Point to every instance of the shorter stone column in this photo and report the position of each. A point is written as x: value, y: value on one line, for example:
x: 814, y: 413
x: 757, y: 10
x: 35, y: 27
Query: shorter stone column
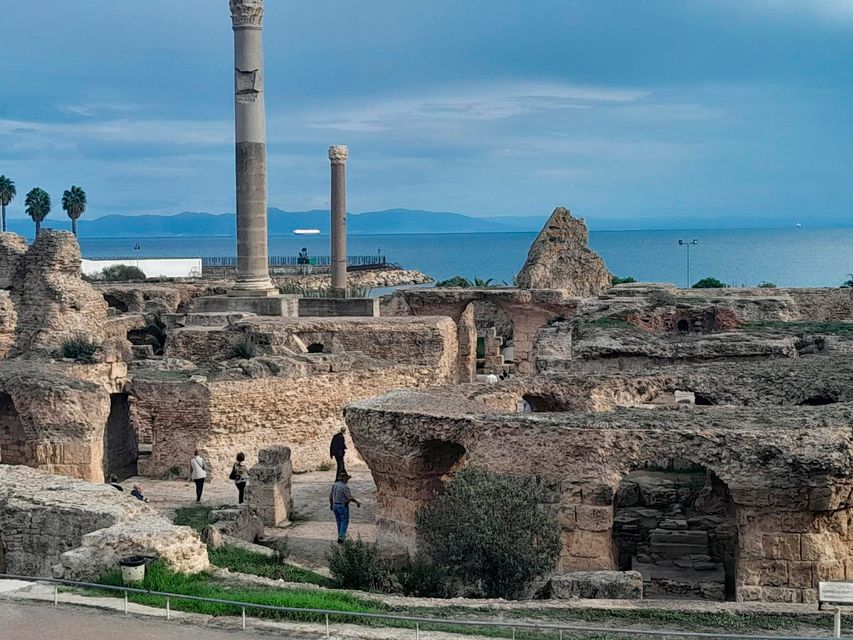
x: 338, y: 154
x: 268, y: 491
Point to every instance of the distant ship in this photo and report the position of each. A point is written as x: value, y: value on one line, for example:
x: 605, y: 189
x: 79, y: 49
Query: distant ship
x: 306, y: 232
x: 798, y: 225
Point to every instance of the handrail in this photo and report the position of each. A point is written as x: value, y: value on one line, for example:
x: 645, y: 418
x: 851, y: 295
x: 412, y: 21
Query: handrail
x: 417, y: 620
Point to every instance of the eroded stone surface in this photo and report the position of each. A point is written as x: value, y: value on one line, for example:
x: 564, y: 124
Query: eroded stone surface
x: 560, y: 258
x: 74, y: 529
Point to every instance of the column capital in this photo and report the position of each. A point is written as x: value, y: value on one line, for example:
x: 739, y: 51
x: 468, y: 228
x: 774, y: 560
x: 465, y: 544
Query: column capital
x: 247, y: 14
x: 338, y: 153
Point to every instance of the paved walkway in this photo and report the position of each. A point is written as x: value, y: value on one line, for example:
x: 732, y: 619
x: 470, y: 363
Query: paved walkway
x: 312, y: 532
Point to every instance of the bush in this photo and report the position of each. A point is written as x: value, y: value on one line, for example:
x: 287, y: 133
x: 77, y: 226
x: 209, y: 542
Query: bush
x: 80, y: 349
x: 614, y: 280
x: 122, y: 273
x: 848, y: 284
x: 356, y: 565
x: 455, y: 281
x: 766, y: 285
x: 422, y: 579
x: 244, y: 347
x: 710, y: 283
x: 489, y: 529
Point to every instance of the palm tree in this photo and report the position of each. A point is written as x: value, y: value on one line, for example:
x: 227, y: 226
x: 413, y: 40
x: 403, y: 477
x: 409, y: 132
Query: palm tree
x: 74, y: 203
x: 37, y: 206
x: 7, y: 194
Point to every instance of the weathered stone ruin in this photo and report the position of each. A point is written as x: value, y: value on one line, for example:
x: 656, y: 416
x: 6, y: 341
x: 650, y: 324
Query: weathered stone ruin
x: 560, y: 258
x: 54, y: 525
x: 268, y: 491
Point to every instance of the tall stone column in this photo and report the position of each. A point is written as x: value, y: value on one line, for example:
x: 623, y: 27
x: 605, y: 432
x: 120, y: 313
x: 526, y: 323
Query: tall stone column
x: 250, y: 136
x: 338, y: 156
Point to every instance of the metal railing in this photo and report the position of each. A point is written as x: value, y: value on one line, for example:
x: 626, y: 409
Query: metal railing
x: 414, y: 623
x: 295, y: 261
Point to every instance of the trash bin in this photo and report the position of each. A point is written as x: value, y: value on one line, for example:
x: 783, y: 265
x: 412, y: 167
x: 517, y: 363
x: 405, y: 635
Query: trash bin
x: 132, y: 569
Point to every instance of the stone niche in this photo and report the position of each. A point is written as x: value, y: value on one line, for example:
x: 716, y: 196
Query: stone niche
x: 755, y: 506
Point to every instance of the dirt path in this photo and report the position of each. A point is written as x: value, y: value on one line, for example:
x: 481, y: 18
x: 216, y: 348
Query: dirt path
x: 312, y: 531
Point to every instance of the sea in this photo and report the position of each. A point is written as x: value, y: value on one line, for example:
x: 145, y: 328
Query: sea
x: 795, y: 257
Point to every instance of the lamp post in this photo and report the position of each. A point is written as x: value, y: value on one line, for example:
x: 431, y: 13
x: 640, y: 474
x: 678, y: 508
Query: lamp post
x: 136, y: 249
x: 688, y: 244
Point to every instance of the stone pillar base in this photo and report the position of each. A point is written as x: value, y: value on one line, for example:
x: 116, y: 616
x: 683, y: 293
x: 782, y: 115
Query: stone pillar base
x: 274, y: 305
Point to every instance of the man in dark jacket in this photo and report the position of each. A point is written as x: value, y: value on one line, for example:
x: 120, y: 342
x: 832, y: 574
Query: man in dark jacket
x: 337, y: 450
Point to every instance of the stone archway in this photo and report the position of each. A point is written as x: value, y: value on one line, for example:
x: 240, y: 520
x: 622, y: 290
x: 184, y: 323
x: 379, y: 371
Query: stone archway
x: 675, y: 522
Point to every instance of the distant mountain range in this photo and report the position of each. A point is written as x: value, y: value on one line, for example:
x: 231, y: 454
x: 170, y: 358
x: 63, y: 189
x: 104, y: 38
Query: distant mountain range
x: 188, y: 223
x: 390, y: 221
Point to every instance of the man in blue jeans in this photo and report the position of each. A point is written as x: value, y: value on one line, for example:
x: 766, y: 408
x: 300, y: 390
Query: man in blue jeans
x: 339, y: 498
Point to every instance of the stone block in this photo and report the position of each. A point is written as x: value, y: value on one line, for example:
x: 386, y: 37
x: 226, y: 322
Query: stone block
x: 590, y: 518
x: 610, y: 585
x: 801, y: 575
x: 779, y: 594
x: 763, y: 572
x: 591, y: 544
x: 781, y: 546
x: 832, y: 571
x: 338, y: 307
x: 819, y: 547
x: 279, y: 305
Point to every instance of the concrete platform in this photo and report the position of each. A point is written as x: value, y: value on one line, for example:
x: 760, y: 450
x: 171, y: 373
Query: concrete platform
x: 280, y: 305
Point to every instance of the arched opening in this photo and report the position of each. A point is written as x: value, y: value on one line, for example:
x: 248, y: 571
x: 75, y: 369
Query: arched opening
x: 683, y: 325
x: 702, y: 399
x: 114, y: 303
x: 675, y: 523
x: 818, y: 401
x: 13, y: 439
x: 316, y: 347
x: 542, y: 403
x: 494, y: 338
x: 438, y: 459
x: 120, y: 447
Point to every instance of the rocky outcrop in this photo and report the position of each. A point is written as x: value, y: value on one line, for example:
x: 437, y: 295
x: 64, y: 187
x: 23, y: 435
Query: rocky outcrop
x: 73, y: 529
x: 12, y: 250
x: 560, y: 258
x: 607, y: 585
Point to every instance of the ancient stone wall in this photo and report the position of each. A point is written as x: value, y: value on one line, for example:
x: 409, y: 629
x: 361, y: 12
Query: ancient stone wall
x: 823, y: 304
x: 52, y: 421
x: 53, y: 525
x: 786, y: 469
x: 223, y: 418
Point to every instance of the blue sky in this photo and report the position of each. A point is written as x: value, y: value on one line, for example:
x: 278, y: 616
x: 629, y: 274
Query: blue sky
x: 625, y: 110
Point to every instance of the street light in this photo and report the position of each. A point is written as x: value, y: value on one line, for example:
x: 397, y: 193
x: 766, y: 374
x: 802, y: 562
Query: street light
x: 688, y: 243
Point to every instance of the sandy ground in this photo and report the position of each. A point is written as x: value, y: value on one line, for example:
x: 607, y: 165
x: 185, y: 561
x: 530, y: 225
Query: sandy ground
x: 312, y: 531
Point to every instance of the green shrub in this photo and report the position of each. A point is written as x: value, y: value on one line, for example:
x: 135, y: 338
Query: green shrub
x: 766, y: 285
x: 356, y: 564
x: 423, y: 579
x: 491, y: 531
x: 122, y: 273
x: 455, y: 281
x: 614, y: 280
x: 80, y: 348
x: 244, y: 347
x: 710, y: 283
x: 848, y: 284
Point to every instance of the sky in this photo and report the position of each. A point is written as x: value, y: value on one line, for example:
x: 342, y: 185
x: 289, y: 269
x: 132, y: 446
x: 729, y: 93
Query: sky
x: 617, y: 109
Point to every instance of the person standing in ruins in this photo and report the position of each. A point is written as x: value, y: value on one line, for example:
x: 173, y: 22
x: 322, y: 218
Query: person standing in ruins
x: 198, y: 474
x: 240, y: 475
x: 339, y: 500
x: 337, y: 449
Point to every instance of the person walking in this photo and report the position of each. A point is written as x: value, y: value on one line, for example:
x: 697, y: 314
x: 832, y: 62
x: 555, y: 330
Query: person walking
x: 198, y: 474
x: 337, y: 449
x: 240, y: 475
x: 339, y: 500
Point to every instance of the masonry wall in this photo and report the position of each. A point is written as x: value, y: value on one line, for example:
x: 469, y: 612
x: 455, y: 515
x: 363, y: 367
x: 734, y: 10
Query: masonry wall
x: 224, y: 418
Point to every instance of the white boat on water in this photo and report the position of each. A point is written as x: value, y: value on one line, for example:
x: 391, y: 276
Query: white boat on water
x: 306, y: 232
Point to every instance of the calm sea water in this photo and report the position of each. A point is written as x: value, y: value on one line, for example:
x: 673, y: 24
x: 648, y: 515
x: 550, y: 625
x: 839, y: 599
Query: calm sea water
x: 787, y: 257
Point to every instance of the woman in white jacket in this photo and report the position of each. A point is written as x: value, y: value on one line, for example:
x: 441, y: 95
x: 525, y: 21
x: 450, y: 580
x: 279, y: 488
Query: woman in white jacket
x: 198, y: 473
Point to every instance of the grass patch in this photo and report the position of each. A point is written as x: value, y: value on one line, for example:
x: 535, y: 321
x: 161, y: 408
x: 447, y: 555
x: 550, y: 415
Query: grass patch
x: 838, y: 328
x: 194, y: 516
x: 243, y: 561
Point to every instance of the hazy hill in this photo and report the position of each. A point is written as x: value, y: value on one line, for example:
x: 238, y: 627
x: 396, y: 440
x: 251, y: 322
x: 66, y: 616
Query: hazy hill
x: 190, y: 223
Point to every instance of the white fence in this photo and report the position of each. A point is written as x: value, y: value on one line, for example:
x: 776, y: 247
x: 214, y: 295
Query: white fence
x: 151, y: 267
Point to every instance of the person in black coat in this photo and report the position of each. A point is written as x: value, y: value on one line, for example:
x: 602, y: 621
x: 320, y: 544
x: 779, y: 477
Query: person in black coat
x: 337, y: 450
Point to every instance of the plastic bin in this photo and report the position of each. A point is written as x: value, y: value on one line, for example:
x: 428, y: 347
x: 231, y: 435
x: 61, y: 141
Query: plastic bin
x: 132, y: 569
